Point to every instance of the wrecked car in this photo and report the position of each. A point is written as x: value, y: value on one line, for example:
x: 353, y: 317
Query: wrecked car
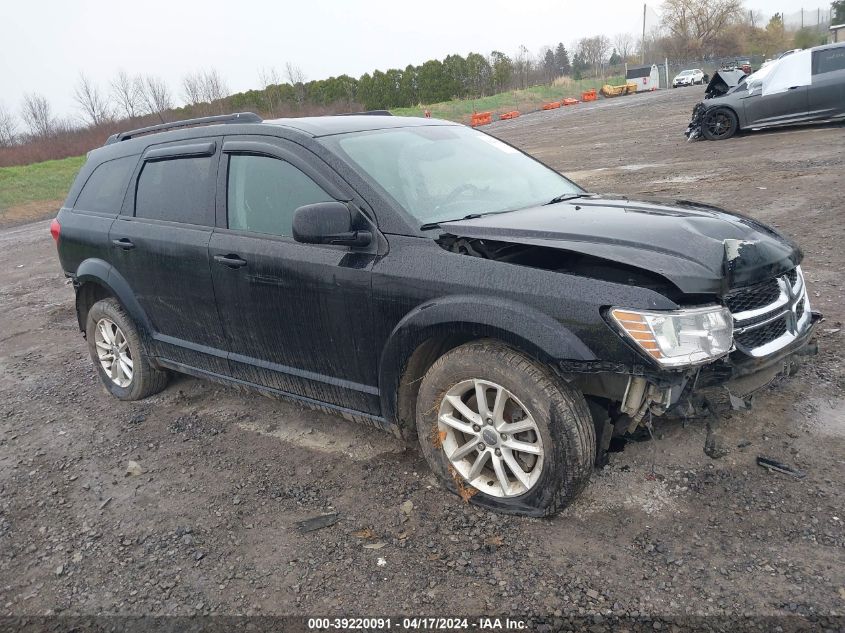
x: 427, y: 279
x: 799, y: 87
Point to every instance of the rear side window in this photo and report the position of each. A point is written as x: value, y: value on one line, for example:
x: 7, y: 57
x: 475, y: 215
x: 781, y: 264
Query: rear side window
x: 104, y: 190
x: 829, y: 60
x: 177, y: 190
x: 264, y: 192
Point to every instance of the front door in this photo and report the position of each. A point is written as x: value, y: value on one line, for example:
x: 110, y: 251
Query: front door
x: 159, y: 245
x: 774, y: 109
x: 296, y: 316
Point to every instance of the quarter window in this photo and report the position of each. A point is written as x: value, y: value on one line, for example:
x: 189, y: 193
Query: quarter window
x: 264, y: 192
x: 104, y: 190
x: 178, y: 190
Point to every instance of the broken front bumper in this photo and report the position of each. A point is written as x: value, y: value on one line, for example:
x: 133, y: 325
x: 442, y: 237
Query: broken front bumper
x: 741, y: 375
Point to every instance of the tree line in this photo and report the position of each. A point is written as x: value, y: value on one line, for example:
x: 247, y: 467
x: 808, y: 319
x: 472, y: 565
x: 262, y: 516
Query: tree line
x: 688, y: 30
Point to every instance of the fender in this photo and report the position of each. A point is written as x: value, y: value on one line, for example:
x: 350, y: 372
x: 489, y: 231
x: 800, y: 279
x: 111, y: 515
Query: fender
x: 522, y: 326
x: 101, y: 272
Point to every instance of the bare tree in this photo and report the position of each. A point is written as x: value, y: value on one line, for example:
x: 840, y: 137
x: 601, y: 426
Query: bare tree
x: 38, y: 115
x: 624, y: 44
x: 8, y: 127
x: 269, y: 78
x: 214, y: 89
x: 156, y: 96
x: 94, y: 105
x: 297, y: 79
x: 127, y: 93
x: 694, y: 25
x: 206, y: 89
x: 192, y: 91
x: 594, y: 51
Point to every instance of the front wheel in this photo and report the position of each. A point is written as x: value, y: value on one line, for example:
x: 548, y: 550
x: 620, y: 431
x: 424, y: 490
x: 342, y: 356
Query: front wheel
x: 115, y: 348
x: 503, y: 431
x: 719, y: 124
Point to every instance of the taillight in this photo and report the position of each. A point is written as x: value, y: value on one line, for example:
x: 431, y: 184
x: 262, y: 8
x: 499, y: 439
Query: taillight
x: 55, y: 230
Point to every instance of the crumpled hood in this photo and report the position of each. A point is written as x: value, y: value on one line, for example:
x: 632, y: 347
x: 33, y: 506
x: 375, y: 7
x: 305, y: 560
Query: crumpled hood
x: 699, y: 248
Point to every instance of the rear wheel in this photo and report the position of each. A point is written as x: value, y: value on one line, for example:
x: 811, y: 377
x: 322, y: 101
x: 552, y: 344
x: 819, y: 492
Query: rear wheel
x: 504, y: 432
x: 115, y: 348
x: 719, y: 124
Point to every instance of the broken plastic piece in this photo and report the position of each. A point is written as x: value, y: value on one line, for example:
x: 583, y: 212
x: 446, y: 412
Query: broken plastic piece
x: 774, y: 465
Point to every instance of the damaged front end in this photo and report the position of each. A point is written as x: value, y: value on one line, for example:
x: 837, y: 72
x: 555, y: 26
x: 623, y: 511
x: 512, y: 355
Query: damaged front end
x: 738, y: 312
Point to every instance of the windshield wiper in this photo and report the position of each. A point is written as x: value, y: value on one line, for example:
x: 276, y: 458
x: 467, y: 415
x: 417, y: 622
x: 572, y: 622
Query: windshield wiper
x: 436, y: 225
x: 568, y: 196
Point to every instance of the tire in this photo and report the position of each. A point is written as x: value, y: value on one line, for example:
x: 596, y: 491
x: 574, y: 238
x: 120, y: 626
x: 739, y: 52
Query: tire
x: 562, y: 428
x: 719, y: 124
x: 108, y: 318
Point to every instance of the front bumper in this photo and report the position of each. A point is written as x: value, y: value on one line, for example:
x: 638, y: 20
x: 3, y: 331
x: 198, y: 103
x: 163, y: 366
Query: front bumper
x: 741, y: 375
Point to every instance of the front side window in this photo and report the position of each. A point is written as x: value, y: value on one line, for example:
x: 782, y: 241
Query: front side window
x: 104, y: 190
x: 177, y: 190
x: 264, y: 192
x: 438, y: 173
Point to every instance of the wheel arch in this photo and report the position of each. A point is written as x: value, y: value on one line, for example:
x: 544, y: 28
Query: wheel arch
x: 96, y: 279
x: 434, y: 328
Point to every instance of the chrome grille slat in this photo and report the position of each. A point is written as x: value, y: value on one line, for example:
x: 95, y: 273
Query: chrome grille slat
x: 763, y: 328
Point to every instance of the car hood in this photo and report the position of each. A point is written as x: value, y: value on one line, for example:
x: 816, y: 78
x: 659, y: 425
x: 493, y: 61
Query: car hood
x: 699, y: 248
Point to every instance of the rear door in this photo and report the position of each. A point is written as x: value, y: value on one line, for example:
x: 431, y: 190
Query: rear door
x: 160, y: 247
x: 827, y: 93
x: 297, y: 316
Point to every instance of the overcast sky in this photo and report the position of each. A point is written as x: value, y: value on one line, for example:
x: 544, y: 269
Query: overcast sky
x: 46, y: 43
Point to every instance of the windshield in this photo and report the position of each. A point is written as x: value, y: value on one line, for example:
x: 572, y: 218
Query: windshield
x: 686, y: 72
x: 439, y: 173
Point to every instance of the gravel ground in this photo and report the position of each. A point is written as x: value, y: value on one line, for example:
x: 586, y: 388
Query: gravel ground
x: 205, y: 519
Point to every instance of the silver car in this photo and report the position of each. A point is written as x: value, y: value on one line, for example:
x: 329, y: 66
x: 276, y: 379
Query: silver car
x: 794, y: 89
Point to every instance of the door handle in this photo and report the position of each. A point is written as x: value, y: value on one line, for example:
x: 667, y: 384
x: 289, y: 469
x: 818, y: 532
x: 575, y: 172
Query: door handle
x: 124, y: 242
x: 232, y: 261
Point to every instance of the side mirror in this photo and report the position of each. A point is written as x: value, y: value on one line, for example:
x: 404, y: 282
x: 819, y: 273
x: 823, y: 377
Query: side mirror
x: 327, y: 223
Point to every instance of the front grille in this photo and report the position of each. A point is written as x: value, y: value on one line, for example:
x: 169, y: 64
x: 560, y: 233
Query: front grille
x: 762, y: 335
x: 753, y: 297
x: 779, y: 317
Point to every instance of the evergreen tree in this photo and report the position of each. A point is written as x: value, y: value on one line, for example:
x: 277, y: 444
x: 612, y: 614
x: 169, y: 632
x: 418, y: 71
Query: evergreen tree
x: 562, y: 65
x: 615, y: 58
x: 549, y: 66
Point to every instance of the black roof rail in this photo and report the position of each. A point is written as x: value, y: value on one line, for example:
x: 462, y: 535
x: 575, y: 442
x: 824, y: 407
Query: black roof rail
x: 237, y: 117
x: 368, y: 113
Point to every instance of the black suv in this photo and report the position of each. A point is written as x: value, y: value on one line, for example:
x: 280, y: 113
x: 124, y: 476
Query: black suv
x: 427, y: 279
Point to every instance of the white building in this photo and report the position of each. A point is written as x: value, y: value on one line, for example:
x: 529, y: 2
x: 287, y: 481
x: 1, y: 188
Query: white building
x: 646, y: 77
x: 837, y: 33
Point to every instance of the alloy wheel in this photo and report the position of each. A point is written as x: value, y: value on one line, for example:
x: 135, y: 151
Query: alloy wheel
x: 490, y: 438
x: 113, y: 352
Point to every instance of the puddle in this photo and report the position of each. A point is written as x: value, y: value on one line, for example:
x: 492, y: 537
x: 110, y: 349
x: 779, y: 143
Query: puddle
x: 678, y: 180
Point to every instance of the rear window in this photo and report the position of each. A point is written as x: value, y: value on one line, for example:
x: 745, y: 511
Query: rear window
x: 828, y: 61
x: 177, y: 190
x: 104, y: 190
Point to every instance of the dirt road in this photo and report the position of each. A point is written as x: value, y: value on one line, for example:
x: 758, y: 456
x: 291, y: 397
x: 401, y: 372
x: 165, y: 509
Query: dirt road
x: 209, y: 526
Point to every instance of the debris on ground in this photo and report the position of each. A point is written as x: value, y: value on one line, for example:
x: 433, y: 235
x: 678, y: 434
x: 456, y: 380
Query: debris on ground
x: 133, y: 469
x: 317, y: 523
x: 773, y: 465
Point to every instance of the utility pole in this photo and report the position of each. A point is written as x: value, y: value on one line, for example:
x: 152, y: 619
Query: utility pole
x: 642, y: 46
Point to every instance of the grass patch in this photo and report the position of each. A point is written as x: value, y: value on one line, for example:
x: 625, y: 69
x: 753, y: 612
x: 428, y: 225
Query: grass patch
x: 525, y: 101
x: 25, y: 186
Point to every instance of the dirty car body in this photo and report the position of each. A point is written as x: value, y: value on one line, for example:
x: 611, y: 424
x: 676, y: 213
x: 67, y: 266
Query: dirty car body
x: 816, y: 93
x: 411, y: 239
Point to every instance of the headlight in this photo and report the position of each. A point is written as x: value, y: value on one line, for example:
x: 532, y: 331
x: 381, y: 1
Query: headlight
x: 679, y: 338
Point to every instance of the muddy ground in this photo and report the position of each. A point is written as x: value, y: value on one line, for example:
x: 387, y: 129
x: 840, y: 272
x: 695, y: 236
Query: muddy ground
x: 209, y: 526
